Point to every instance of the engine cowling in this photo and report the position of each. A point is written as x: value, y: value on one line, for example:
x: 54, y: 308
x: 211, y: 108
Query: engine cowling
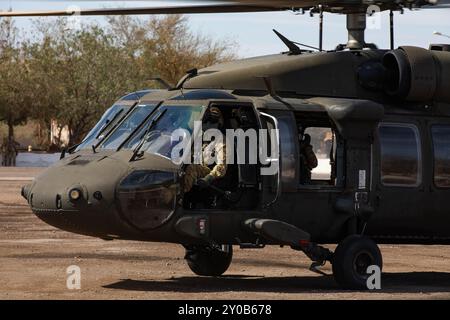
x: 417, y: 74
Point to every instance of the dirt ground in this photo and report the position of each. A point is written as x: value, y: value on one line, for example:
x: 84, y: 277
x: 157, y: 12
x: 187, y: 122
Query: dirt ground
x: 34, y: 258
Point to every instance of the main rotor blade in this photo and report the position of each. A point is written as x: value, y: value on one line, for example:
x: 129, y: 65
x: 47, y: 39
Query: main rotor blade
x: 261, y: 3
x: 440, y: 4
x: 233, y: 6
x: 343, y: 3
x: 223, y: 8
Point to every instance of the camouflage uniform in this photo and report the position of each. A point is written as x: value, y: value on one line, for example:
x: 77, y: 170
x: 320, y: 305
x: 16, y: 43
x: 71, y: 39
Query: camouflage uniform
x: 214, y: 171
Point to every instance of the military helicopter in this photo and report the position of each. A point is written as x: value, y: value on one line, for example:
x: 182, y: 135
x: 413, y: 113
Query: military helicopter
x: 380, y: 118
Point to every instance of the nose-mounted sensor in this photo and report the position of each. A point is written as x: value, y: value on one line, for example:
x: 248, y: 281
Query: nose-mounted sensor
x: 74, y: 194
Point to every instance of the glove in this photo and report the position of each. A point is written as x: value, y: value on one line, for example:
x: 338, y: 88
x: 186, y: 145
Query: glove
x: 205, y: 182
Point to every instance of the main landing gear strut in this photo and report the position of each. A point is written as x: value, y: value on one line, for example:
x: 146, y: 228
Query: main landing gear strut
x: 350, y: 261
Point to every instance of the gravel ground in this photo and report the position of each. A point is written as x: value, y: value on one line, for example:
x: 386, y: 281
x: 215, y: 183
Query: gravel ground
x: 34, y: 258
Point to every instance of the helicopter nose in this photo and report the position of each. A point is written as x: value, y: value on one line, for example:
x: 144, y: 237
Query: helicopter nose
x: 71, y: 210
x: 25, y: 191
x: 78, y: 199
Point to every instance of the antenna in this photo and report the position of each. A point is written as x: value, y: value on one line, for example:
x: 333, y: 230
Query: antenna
x: 292, y: 45
x: 293, y: 48
x: 189, y: 74
x: 320, y: 28
x: 391, y: 22
x: 437, y: 33
x: 161, y: 81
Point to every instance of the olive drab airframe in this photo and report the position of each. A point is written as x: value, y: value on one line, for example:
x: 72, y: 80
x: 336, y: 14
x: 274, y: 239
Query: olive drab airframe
x: 378, y: 121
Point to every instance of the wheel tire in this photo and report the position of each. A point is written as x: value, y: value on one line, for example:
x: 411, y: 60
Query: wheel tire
x: 209, y: 261
x: 352, y: 258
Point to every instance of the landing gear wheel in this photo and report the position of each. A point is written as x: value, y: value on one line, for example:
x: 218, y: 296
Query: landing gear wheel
x: 352, y: 258
x: 209, y: 261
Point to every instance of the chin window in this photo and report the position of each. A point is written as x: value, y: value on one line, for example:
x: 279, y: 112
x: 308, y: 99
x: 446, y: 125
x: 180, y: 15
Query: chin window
x: 148, y: 198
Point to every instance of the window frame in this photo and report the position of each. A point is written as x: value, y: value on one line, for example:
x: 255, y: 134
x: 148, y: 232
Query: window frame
x: 415, y: 128
x: 433, y: 153
x: 125, y: 118
x: 288, y: 184
x: 323, y: 120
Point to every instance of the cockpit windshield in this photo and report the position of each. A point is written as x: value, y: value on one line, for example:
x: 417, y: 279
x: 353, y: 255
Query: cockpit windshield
x: 157, y: 132
x: 112, y: 116
x: 128, y: 126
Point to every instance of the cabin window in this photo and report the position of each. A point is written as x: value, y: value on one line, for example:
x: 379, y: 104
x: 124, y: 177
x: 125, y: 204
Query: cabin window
x: 400, y: 155
x: 320, y: 151
x: 441, y: 146
x: 317, y: 161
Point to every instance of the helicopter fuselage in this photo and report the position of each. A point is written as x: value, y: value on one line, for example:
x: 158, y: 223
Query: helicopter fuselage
x: 383, y: 150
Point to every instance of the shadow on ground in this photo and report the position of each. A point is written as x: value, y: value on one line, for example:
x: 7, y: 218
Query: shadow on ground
x: 92, y: 256
x: 410, y: 282
x: 127, y: 257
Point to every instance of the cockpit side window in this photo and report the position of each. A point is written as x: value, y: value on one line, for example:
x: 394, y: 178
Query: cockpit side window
x: 128, y: 126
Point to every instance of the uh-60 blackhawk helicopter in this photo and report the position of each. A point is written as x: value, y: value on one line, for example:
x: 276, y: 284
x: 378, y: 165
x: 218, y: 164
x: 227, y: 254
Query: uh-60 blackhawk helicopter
x: 379, y: 117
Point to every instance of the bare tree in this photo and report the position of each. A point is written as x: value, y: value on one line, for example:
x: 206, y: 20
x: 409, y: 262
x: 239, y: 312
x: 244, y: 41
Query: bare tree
x: 72, y: 76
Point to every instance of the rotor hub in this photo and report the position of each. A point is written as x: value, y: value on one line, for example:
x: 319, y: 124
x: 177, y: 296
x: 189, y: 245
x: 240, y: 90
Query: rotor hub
x: 356, y: 26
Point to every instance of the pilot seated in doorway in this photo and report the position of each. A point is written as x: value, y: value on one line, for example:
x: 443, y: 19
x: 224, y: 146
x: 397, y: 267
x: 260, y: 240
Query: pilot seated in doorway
x: 202, y: 174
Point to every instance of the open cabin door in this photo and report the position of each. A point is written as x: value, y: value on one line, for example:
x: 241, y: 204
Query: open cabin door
x: 269, y: 152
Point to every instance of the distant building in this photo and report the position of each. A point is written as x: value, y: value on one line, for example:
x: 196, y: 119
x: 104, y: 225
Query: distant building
x: 59, y: 135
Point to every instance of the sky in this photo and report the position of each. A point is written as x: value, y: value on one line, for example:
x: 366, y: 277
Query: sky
x: 253, y: 31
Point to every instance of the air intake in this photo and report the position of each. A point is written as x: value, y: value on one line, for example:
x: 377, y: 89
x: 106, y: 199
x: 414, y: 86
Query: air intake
x: 440, y: 47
